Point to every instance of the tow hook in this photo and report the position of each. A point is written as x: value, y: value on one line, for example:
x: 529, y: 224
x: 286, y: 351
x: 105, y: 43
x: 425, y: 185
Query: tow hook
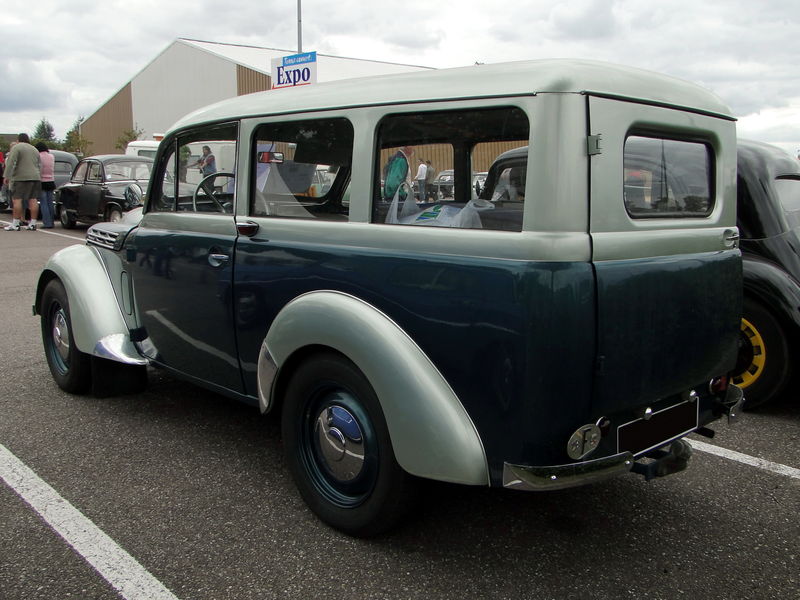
x: 666, y: 462
x: 731, y: 405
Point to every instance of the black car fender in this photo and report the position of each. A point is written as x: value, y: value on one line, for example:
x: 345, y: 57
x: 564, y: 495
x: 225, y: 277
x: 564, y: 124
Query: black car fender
x: 775, y: 289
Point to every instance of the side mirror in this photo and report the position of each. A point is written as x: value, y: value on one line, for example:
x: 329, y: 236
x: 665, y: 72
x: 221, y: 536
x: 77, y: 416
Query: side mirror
x: 134, y: 195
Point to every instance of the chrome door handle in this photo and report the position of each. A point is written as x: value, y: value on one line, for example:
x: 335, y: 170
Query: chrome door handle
x: 731, y: 238
x: 217, y: 260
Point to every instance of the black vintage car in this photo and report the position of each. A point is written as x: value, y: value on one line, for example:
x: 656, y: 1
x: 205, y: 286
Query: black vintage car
x: 769, y: 225
x: 96, y: 190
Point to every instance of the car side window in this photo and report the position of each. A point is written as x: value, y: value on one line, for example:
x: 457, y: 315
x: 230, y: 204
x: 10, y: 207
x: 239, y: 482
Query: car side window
x: 302, y: 169
x: 62, y: 168
x: 80, y: 172
x: 461, y: 146
x: 667, y: 178
x: 197, y: 173
x: 95, y: 172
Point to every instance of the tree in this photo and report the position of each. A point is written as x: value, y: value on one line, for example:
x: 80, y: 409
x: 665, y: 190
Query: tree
x: 44, y: 131
x: 127, y: 136
x: 75, y: 142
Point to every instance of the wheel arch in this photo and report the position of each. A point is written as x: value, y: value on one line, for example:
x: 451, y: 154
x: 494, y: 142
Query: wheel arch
x: 112, y: 204
x: 776, y: 291
x: 431, y: 433
x: 97, y: 323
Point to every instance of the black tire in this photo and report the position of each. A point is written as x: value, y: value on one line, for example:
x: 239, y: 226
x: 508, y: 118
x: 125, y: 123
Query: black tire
x: 70, y: 367
x: 361, y: 497
x: 763, y: 368
x: 114, y: 214
x: 67, y: 220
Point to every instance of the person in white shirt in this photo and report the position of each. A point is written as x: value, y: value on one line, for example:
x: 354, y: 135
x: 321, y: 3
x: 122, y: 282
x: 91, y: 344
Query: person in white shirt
x: 422, y: 171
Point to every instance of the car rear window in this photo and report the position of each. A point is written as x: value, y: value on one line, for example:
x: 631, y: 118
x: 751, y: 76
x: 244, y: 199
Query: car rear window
x: 667, y: 178
x: 788, y: 189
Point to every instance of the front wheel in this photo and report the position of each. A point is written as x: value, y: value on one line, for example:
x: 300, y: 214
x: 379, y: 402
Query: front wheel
x: 338, y: 448
x: 763, y: 366
x: 71, y: 368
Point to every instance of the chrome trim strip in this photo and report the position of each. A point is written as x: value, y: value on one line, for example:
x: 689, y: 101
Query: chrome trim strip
x: 267, y: 372
x: 559, y: 477
x: 119, y: 348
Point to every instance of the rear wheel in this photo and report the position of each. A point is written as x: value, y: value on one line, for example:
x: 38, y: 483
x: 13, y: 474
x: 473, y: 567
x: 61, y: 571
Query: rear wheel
x: 763, y: 367
x: 67, y: 220
x: 338, y: 448
x: 70, y: 367
x: 113, y: 215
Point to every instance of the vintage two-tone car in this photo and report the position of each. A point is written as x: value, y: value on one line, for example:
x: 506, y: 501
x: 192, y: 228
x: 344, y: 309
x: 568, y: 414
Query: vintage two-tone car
x: 96, y: 190
x: 769, y: 224
x: 575, y: 328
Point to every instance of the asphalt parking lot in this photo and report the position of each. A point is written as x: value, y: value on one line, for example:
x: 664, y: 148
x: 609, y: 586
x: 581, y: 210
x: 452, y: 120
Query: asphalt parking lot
x: 193, y: 489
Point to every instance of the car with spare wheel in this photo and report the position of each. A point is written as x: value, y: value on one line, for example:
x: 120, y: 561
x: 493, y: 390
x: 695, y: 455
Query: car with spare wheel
x: 573, y: 323
x: 96, y: 191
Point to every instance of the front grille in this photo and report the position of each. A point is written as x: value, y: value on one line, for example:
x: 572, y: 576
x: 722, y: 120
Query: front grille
x: 102, y: 238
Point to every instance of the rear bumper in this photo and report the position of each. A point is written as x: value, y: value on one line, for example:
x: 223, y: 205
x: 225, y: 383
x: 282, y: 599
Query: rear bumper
x: 558, y: 477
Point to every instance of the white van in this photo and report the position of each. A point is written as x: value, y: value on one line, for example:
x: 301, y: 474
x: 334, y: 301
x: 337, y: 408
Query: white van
x: 146, y: 148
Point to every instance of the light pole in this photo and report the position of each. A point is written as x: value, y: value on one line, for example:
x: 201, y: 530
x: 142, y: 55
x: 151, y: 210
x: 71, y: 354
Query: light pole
x: 299, y: 28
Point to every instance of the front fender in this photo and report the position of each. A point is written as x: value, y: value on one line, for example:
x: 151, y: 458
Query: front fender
x: 98, y: 327
x: 431, y: 433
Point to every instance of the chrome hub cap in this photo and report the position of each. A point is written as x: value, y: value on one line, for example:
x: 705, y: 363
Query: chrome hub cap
x: 61, y: 341
x: 341, y: 442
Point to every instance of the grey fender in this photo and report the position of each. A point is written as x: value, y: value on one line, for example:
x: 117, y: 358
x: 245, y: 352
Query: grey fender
x: 98, y: 328
x: 431, y: 433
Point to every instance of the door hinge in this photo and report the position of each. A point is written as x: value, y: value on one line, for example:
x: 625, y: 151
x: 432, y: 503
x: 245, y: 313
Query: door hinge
x: 593, y: 145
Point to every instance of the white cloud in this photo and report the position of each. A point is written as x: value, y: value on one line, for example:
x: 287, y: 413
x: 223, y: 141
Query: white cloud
x: 63, y: 60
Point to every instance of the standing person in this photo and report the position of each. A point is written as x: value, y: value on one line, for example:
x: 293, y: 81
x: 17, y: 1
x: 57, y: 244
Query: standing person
x: 396, y: 173
x: 430, y: 175
x: 207, y: 163
x: 23, y: 177
x: 421, y: 177
x: 48, y: 164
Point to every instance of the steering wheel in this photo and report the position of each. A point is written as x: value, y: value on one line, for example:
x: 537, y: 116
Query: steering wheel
x: 207, y: 185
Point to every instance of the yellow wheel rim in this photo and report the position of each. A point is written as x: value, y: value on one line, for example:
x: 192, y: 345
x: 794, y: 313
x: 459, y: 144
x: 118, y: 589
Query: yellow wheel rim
x: 756, y: 367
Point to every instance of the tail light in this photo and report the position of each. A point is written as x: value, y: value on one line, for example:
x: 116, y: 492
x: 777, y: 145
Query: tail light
x: 718, y: 385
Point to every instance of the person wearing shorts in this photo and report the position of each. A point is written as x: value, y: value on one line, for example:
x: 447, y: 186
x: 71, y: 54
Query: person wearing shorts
x: 24, y: 180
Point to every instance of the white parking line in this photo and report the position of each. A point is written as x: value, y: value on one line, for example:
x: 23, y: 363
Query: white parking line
x: 40, y: 230
x: 746, y: 459
x: 116, y: 566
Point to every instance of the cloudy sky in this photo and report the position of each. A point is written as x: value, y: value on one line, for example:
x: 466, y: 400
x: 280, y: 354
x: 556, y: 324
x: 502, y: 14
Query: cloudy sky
x: 63, y: 59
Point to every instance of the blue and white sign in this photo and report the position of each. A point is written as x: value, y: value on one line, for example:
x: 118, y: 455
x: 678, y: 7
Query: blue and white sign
x: 294, y: 70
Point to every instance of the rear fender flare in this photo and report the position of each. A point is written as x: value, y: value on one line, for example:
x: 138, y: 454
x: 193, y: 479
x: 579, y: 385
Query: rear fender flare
x: 431, y: 433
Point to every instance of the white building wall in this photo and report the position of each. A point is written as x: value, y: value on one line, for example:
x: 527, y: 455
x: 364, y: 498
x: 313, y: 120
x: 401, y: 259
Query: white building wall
x: 181, y: 79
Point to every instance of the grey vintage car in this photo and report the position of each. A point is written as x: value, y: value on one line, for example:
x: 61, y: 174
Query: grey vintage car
x: 573, y: 323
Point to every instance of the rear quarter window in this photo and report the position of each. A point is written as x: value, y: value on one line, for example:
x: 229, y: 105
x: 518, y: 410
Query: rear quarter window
x: 667, y: 178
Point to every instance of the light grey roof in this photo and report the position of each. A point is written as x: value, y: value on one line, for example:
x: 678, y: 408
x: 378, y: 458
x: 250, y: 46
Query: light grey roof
x: 329, y: 68
x: 506, y: 79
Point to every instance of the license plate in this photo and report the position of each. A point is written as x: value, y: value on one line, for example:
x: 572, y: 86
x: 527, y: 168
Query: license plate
x: 662, y: 427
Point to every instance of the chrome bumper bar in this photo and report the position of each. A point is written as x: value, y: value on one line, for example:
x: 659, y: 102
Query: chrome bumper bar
x: 558, y: 477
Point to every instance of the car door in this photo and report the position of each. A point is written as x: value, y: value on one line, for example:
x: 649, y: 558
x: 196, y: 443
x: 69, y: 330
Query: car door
x: 91, y: 193
x: 665, y: 250
x: 184, y: 263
